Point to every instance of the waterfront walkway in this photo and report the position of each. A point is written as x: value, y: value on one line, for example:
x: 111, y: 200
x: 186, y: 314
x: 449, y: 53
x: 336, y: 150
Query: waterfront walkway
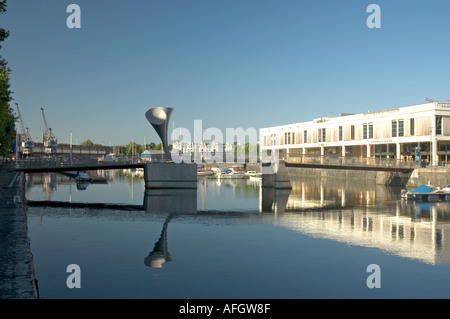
x: 17, y: 278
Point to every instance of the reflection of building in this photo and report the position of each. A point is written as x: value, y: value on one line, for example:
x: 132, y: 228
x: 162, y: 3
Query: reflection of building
x: 401, y: 133
x: 323, y: 193
x: 364, y: 215
x: 411, y: 231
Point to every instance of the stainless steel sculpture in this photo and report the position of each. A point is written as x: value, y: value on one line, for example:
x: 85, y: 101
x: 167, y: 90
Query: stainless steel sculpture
x: 159, y: 118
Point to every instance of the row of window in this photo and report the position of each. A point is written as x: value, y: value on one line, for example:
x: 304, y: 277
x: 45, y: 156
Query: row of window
x: 397, y: 130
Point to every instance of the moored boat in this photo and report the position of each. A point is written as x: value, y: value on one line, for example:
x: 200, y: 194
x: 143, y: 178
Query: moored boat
x: 229, y: 173
x: 424, y: 192
x: 253, y: 175
x: 82, y: 176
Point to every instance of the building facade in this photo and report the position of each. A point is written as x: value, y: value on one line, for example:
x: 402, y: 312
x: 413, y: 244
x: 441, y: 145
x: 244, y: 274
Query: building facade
x: 64, y: 150
x: 416, y: 132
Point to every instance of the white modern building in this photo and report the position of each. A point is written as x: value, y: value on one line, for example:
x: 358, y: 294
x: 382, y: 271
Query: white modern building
x: 407, y: 133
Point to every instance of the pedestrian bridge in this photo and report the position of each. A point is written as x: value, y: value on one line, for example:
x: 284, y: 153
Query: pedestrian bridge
x: 57, y: 164
x: 349, y: 163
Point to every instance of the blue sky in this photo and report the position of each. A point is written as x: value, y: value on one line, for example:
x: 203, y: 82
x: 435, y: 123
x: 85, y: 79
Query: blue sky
x: 229, y: 63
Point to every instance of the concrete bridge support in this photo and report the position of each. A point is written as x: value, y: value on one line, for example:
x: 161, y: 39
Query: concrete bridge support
x: 277, y: 177
x: 170, y: 187
x: 392, y: 178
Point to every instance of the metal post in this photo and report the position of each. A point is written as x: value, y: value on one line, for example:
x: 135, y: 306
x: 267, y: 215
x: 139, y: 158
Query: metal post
x: 71, y: 147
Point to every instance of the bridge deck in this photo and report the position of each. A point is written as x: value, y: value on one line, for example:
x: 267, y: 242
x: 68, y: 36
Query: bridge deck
x: 77, y: 168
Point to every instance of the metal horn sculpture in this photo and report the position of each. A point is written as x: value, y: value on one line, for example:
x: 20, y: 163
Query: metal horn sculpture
x: 159, y: 118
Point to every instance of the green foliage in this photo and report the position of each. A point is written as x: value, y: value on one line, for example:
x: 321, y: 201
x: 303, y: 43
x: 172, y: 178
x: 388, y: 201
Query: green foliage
x: 7, y: 118
x: 136, y: 149
x: 3, y: 6
x: 87, y: 142
x: 3, y: 33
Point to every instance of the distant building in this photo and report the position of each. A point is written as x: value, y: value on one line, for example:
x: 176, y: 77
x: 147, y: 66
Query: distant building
x: 67, y: 150
x: 417, y: 132
x: 152, y: 155
x: 206, y: 148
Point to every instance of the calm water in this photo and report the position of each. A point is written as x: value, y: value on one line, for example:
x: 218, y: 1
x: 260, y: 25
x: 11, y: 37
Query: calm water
x: 232, y: 240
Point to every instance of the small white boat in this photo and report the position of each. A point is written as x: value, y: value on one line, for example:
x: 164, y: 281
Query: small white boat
x: 204, y: 172
x: 229, y: 173
x: 446, y: 189
x: 82, y: 176
x: 256, y: 177
x: 253, y: 175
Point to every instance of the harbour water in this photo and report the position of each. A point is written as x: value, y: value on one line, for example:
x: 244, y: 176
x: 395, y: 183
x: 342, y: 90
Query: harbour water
x: 315, y: 241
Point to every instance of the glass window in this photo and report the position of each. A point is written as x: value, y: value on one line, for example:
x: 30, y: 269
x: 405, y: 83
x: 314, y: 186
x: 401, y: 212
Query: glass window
x: 352, y: 132
x: 401, y: 126
x: 392, y: 148
x: 340, y: 133
x: 394, y: 128
x: 412, y: 129
x: 438, y: 124
x: 287, y: 138
x: 273, y: 140
x: 370, y: 130
x: 305, y: 136
x: 365, y: 131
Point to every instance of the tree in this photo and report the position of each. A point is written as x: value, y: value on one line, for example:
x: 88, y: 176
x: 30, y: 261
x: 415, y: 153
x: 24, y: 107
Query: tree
x: 7, y: 118
x: 87, y: 142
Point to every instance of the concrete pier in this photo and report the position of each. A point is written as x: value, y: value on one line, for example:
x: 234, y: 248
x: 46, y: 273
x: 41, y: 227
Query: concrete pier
x: 170, y: 175
x: 16, y: 261
x: 278, y: 178
x: 170, y: 187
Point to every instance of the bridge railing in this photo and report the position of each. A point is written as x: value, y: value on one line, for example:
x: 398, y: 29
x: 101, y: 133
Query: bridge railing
x: 349, y: 161
x: 61, y: 161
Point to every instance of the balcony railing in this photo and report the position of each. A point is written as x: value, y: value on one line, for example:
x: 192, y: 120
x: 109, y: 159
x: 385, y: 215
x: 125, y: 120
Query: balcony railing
x: 349, y: 161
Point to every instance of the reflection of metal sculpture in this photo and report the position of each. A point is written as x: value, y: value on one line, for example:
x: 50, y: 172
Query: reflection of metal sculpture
x: 159, y: 118
x: 160, y: 254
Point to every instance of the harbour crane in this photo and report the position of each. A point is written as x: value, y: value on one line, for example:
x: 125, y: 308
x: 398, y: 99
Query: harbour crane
x: 27, y: 142
x: 50, y: 141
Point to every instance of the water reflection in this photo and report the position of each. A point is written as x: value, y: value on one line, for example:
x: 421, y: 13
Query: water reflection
x: 364, y: 215
x: 355, y: 212
x: 160, y: 253
x: 181, y: 201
